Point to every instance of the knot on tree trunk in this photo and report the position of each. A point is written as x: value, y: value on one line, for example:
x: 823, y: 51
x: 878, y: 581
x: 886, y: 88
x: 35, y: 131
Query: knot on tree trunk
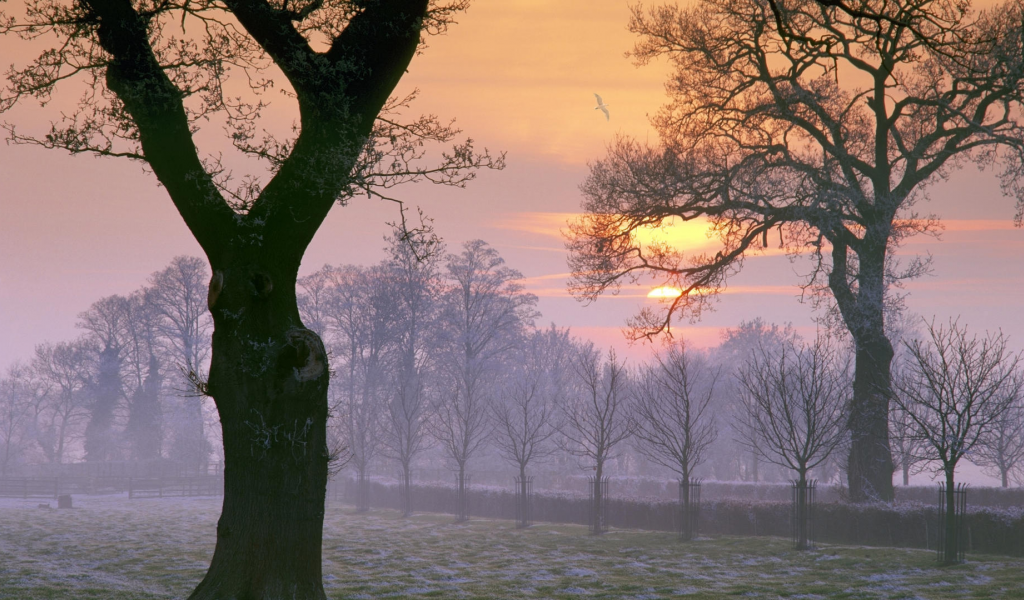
x: 304, y: 354
x: 262, y: 285
x: 216, y: 285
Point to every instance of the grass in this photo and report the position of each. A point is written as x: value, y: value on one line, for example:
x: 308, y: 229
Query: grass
x: 113, y: 548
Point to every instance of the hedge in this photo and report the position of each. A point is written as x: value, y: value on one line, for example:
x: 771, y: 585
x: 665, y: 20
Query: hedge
x: 902, y: 524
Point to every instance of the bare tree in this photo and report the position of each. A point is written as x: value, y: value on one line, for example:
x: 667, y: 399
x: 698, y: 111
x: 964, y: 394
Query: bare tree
x: 956, y: 389
x: 526, y: 417
x: 483, y: 314
x: 413, y: 267
x: 142, y: 379
x: 149, y: 97
x: 177, y: 295
x: 17, y: 397
x: 596, y: 416
x: 673, y: 425
x: 1001, y: 451
x: 739, y: 344
x: 795, y: 397
x: 808, y: 118
x: 64, y: 367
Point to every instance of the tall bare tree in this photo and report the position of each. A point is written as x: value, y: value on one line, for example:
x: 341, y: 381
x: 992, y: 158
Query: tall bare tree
x: 956, y: 389
x: 526, y: 416
x: 812, y: 119
x: 673, y: 424
x: 796, y: 397
x: 151, y: 94
x: 413, y: 267
x: 483, y: 316
x: 17, y: 397
x: 177, y: 295
x: 143, y: 380
x: 59, y: 414
x: 596, y: 416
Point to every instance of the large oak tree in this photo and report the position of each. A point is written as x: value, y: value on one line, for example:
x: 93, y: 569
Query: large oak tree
x: 822, y: 121
x: 155, y: 72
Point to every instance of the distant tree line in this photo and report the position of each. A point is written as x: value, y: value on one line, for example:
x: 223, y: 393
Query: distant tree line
x: 437, y: 359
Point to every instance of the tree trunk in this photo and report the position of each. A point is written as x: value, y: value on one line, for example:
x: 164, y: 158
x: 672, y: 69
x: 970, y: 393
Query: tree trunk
x: 524, y: 499
x: 801, y: 511
x: 363, y: 490
x: 406, y: 489
x: 684, y: 500
x: 906, y: 472
x: 461, y: 500
x: 870, y: 466
x: 268, y: 377
x: 598, y: 503
x: 949, y: 551
x: 1004, y: 476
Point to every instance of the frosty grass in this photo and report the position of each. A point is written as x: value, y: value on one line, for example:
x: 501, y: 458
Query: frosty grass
x: 115, y: 548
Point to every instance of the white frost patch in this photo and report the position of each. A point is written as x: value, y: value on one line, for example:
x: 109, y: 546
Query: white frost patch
x: 578, y: 572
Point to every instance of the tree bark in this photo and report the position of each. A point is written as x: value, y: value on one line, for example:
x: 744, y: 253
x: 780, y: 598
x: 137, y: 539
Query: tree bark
x: 268, y: 376
x: 870, y: 466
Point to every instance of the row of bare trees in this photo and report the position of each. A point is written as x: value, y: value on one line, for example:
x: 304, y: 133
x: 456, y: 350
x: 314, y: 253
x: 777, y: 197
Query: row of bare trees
x: 124, y: 389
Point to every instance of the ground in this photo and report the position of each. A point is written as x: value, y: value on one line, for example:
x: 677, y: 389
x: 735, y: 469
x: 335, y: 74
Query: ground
x: 115, y: 548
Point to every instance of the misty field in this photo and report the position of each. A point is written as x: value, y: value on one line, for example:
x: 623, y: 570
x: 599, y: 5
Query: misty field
x: 113, y: 548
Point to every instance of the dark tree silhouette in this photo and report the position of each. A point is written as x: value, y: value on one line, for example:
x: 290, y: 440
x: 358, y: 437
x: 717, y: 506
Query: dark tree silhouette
x: 672, y: 417
x: 795, y: 398
x: 823, y: 123
x: 956, y: 389
x: 596, y: 416
x: 158, y: 71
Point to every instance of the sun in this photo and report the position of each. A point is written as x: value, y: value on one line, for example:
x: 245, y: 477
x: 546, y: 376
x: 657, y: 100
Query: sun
x: 665, y: 291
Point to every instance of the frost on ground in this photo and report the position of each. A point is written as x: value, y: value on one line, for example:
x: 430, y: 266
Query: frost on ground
x: 113, y: 548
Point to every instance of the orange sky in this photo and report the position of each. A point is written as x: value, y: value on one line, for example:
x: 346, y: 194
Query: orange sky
x: 519, y: 75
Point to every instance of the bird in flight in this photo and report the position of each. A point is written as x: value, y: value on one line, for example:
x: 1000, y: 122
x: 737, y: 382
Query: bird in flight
x: 602, y: 107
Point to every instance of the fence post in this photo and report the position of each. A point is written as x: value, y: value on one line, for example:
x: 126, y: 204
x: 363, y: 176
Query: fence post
x: 598, y: 504
x: 524, y: 501
x: 802, y: 519
x: 954, y: 552
x: 689, y: 508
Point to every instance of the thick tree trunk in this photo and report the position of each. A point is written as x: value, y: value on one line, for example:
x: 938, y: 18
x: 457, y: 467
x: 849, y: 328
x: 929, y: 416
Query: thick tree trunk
x: 870, y: 466
x: 268, y: 376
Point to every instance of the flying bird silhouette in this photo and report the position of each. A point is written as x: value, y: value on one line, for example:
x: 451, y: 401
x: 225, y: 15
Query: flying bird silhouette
x: 602, y: 107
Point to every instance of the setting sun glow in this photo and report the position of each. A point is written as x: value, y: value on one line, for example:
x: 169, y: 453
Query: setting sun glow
x: 665, y: 292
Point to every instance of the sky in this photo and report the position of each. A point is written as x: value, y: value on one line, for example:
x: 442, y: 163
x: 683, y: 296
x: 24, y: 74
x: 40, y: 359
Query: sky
x: 519, y: 76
